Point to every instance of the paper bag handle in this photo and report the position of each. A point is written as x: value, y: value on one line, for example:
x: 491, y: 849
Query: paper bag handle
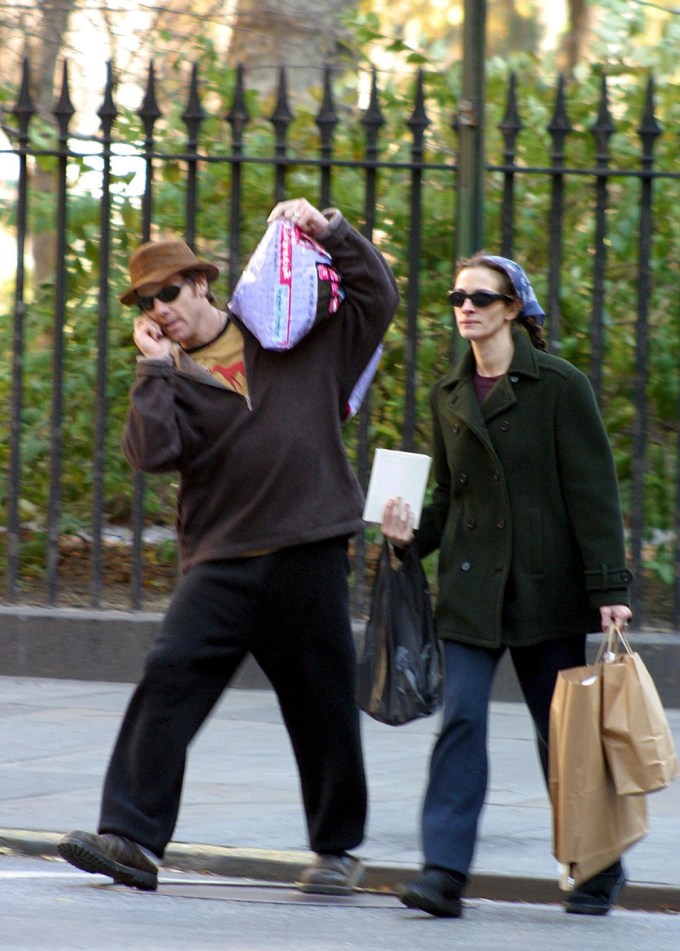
x: 608, y: 650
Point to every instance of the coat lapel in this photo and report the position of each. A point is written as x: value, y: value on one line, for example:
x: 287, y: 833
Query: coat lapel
x: 500, y: 399
x: 462, y: 400
x: 187, y: 366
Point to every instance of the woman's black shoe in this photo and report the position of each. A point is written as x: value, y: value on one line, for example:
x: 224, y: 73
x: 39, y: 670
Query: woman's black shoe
x: 435, y: 892
x: 599, y: 893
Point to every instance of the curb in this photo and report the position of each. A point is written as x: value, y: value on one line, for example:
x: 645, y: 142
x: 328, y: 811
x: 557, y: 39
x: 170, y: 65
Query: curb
x: 284, y: 866
x: 111, y: 646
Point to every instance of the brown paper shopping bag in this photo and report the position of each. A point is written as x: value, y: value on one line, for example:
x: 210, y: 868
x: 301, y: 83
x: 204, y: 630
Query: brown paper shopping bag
x: 637, y: 739
x: 592, y: 824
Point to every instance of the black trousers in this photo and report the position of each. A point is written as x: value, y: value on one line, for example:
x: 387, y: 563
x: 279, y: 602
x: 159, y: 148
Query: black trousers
x: 290, y: 609
x: 459, y: 764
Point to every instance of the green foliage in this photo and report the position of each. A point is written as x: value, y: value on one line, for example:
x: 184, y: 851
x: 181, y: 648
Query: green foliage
x: 626, y: 69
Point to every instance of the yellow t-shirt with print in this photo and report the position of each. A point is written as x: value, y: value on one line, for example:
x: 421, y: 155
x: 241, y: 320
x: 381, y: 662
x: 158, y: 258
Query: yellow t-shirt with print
x: 224, y: 359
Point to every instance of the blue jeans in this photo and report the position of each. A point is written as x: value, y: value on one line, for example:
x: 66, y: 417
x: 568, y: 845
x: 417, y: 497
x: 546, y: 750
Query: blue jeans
x: 459, y: 763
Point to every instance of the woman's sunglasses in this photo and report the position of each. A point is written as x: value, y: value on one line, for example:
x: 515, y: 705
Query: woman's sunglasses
x: 166, y: 295
x: 478, y: 298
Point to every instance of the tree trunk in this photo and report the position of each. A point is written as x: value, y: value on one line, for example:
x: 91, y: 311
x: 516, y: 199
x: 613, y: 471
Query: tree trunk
x: 575, y: 41
x: 303, y: 35
x: 47, y: 47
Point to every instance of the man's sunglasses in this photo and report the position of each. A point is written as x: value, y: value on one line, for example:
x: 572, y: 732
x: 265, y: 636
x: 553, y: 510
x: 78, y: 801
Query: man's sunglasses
x: 166, y: 295
x: 478, y: 298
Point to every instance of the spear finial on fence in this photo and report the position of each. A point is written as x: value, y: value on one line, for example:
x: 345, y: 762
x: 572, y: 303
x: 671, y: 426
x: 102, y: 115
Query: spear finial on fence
x: 63, y: 109
x: 560, y: 126
x: 24, y: 108
x: 603, y: 127
x: 418, y: 120
x: 108, y: 112
x: 149, y: 112
x: 238, y: 116
x: 194, y: 114
x: 327, y: 117
x: 373, y: 119
x: 649, y: 129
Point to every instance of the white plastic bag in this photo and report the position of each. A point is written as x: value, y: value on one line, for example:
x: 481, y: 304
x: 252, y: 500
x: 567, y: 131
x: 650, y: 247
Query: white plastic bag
x: 356, y: 397
x: 288, y: 285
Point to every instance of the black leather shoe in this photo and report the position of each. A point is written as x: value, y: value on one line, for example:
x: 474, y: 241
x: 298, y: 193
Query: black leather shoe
x: 112, y: 855
x: 435, y: 892
x: 598, y: 894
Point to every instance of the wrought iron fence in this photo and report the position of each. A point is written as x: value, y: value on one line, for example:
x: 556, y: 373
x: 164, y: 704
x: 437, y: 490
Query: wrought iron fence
x: 595, y: 200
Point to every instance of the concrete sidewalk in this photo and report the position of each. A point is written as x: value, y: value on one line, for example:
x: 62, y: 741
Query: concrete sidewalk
x: 241, y: 813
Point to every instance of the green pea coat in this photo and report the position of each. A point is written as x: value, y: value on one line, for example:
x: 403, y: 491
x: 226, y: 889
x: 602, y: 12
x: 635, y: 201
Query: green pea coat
x: 525, y: 511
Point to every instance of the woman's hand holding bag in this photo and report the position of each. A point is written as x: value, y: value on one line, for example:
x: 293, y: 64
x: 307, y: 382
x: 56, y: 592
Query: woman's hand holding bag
x: 399, y: 661
x: 636, y: 736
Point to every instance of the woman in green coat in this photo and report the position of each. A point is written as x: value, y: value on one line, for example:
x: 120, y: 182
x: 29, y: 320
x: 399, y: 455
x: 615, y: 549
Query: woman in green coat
x: 527, y: 519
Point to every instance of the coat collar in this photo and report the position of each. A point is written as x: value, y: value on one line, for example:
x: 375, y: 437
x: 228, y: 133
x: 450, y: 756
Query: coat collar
x: 187, y: 366
x: 523, y: 363
x: 459, y: 383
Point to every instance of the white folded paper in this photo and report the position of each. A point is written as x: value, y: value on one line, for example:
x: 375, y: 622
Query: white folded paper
x: 396, y: 473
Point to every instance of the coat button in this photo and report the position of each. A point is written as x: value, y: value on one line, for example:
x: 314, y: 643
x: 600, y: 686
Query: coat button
x: 465, y: 566
x: 505, y: 426
x: 496, y: 476
x: 471, y: 523
x: 462, y: 478
x: 500, y: 523
x: 456, y: 428
x: 514, y: 378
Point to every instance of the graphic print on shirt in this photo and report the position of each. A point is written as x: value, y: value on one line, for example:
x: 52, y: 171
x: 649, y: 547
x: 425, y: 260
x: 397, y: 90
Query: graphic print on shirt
x: 224, y: 360
x: 233, y: 376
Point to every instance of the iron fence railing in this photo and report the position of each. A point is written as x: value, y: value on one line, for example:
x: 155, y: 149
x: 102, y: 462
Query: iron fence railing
x: 425, y: 166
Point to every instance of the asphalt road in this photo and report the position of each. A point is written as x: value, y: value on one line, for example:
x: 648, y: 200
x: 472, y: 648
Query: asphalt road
x: 48, y: 906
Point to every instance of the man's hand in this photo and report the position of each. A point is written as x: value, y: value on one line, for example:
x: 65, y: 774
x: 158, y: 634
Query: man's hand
x: 150, y: 339
x: 298, y: 210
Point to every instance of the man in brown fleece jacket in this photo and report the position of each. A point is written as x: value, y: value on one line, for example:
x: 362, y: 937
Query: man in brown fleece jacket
x: 266, y: 503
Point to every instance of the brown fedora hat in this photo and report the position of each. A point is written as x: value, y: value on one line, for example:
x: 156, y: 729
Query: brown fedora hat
x: 156, y: 261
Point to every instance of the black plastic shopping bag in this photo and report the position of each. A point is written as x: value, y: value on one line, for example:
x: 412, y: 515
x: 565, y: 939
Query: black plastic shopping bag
x: 399, y: 659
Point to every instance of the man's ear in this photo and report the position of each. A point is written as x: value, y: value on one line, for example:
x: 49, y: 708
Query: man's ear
x: 201, y: 284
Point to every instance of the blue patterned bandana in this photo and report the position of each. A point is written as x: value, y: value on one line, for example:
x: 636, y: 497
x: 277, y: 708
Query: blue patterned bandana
x: 523, y: 288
